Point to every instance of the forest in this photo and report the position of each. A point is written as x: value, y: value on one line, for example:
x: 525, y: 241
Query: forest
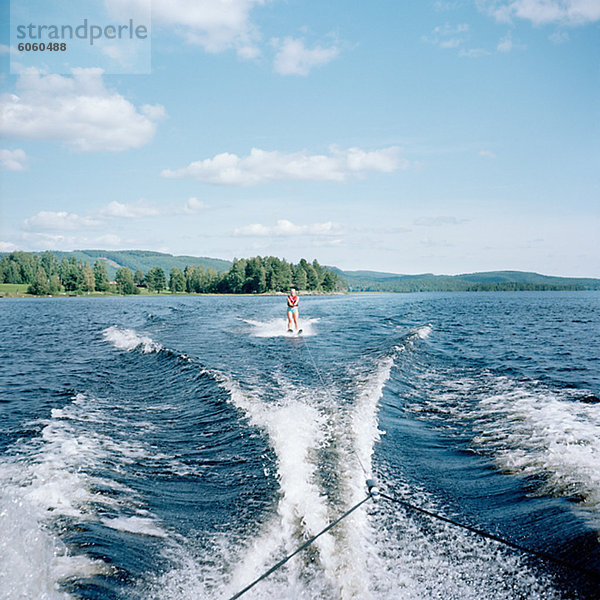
x: 45, y: 274
x: 146, y: 272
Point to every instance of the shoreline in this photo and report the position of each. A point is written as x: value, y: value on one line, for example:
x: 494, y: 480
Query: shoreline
x: 21, y: 296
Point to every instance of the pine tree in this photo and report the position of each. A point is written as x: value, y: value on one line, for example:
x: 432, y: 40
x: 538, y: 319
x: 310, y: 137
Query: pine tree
x: 312, y: 281
x: 125, y: 283
x: 88, y: 282
x: 71, y: 274
x: 234, y: 280
x: 40, y: 285
x: 329, y: 281
x: 283, y: 276
x: 300, y: 279
x: 176, y: 280
x: 50, y: 263
x: 319, y: 271
x: 192, y: 279
x: 101, y: 282
x: 54, y: 284
x: 256, y: 278
x: 156, y: 279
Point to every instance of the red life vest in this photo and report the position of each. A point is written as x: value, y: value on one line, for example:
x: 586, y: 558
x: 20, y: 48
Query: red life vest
x: 292, y: 301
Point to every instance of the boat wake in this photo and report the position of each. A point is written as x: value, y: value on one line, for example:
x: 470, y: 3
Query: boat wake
x: 320, y: 442
x: 278, y: 327
x: 322, y: 439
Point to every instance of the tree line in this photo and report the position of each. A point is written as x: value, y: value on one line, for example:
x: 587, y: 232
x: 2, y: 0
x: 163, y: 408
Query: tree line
x: 45, y: 275
x: 454, y: 284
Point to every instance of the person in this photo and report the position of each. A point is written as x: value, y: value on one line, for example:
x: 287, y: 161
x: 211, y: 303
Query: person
x: 292, y: 309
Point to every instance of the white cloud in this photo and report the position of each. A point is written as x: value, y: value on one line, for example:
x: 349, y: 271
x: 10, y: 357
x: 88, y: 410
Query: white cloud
x: 7, y: 247
x: 141, y: 209
x: 131, y: 210
x: 487, y: 154
x: 126, y: 55
x: 542, y: 12
x: 108, y: 239
x: 4, y: 49
x: 59, y: 222
x: 13, y: 160
x: 287, y: 228
x: 154, y: 112
x: 194, y: 205
x: 294, y: 58
x: 251, y: 230
x: 55, y: 221
x: 78, y: 111
x: 328, y: 242
x: 448, y: 36
x: 261, y: 166
x: 216, y: 25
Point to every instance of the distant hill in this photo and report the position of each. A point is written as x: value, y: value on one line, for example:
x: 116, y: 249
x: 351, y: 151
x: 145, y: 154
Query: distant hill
x: 373, y: 281
x: 143, y: 260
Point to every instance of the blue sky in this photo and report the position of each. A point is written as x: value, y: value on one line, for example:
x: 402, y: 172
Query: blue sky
x: 400, y: 136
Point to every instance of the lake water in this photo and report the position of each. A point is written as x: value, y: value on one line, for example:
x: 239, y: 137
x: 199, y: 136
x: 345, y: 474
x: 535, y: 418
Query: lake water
x: 176, y: 448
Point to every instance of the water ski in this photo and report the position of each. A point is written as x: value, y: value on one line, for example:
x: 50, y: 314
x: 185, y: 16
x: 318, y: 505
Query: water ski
x: 299, y: 331
x: 290, y: 331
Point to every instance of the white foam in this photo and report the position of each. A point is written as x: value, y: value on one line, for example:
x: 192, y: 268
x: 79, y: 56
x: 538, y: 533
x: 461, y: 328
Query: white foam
x: 278, y: 327
x: 55, y: 481
x: 139, y: 525
x: 356, y: 435
x: 536, y: 433
x: 49, y: 478
x: 365, y: 427
x: 295, y: 430
x: 128, y: 340
x: 440, y: 561
x: 529, y: 430
x: 300, y: 427
x: 33, y: 560
x: 424, y: 331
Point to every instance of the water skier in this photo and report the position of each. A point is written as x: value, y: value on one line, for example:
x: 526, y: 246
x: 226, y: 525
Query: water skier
x: 292, y: 309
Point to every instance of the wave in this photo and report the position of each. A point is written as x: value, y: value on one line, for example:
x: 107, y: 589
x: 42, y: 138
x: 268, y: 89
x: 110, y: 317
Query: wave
x: 128, y: 340
x: 54, y: 479
x: 33, y: 559
x: 424, y: 331
x: 547, y: 436
x: 319, y: 441
x: 322, y: 441
x: 140, y: 525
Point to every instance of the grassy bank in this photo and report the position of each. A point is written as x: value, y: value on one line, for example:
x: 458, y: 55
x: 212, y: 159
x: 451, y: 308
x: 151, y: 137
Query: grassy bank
x: 19, y: 290
x: 13, y: 290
